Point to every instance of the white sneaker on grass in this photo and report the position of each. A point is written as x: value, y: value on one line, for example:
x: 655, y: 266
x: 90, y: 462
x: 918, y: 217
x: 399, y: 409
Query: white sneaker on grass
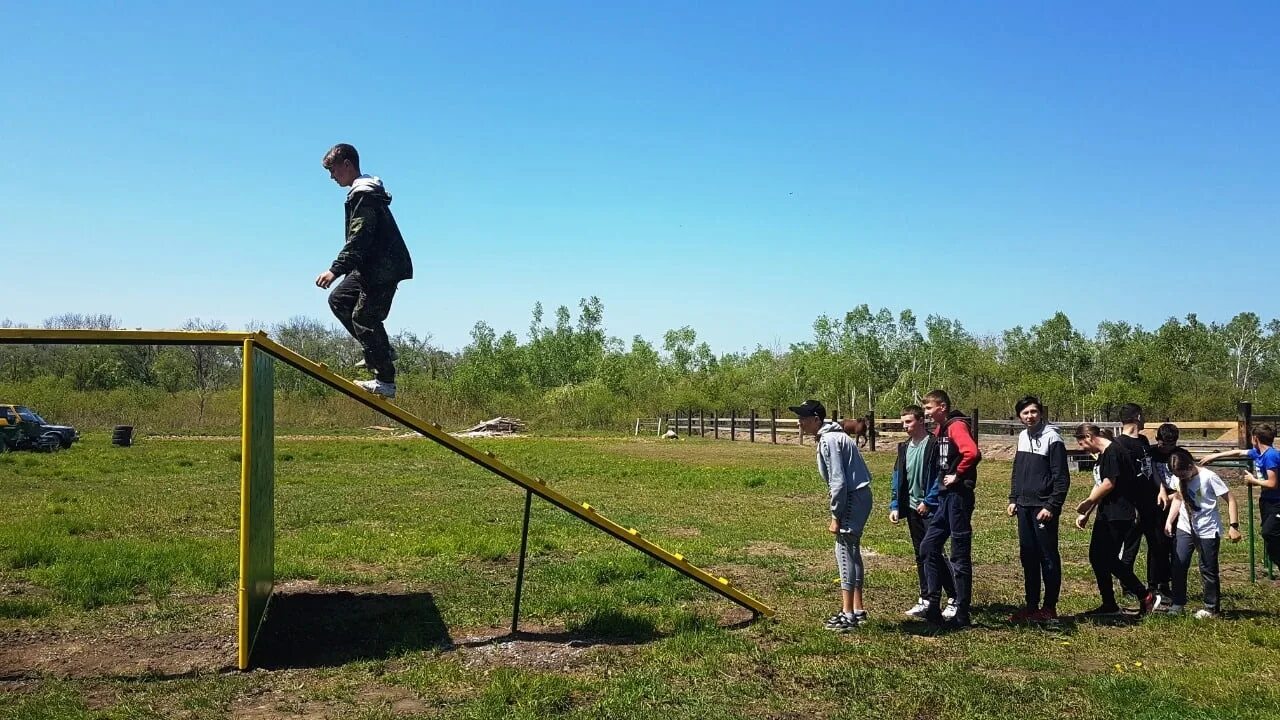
x: 377, y: 387
x: 949, y: 611
x: 1205, y: 614
x: 917, y: 611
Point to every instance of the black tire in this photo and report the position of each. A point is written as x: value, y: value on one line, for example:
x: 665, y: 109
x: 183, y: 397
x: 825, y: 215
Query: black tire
x: 49, y: 442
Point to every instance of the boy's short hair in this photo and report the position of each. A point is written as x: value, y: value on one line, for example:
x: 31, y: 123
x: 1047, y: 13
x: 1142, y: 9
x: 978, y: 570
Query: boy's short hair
x: 1264, y: 433
x: 940, y: 397
x: 340, y: 152
x: 1130, y: 413
x: 1167, y: 434
x: 1028, y: 400
x: 915, y: 410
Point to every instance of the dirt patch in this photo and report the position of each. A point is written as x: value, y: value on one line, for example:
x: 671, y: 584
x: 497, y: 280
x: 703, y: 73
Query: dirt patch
x: 279, y: 703
x: 117, y: 653
x: 768, y: 548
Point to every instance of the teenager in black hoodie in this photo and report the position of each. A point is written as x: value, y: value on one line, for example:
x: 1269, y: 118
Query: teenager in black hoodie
x: 1037, y: 490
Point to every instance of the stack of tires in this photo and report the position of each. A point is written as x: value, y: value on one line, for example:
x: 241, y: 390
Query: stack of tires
x: 122, y: 436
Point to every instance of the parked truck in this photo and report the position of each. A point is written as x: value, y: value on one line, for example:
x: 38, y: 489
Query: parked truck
x: 21, y: 428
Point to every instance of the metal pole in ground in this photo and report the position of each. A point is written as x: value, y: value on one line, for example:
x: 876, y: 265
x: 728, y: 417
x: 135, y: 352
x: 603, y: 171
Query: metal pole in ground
x: 773, y: 425
x: 1244, y: 419
x: 733, y: 425
x: 753, y: 425
x: 524, y: 545
x: 702, y: 424
x: 715, y: 425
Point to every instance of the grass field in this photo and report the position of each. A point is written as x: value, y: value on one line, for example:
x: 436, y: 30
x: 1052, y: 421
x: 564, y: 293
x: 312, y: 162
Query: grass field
x: 396, y: 566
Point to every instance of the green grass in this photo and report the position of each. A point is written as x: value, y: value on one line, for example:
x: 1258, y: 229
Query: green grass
x: 132, y: 552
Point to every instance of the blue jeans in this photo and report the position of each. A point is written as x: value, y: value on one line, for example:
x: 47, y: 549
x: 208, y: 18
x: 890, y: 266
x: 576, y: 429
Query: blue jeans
x: 1184, y: 545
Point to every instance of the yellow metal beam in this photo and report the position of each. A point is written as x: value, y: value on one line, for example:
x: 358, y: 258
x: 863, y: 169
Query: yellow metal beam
x: 17, y: 336
x: 489, y: 461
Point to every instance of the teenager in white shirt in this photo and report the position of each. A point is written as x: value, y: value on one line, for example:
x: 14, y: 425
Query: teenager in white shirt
x: 1195, y: 524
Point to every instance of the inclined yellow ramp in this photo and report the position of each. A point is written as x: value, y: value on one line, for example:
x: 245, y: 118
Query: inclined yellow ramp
x: 487, y: 460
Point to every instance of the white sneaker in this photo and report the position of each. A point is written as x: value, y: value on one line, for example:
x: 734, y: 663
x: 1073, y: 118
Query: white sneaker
x: 1205, y: 614
x: 950, y: 610
x: 917, y: 611
x: 377, y: 387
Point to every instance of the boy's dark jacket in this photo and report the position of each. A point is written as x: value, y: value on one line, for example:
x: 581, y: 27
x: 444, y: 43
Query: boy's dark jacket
x: 1040, y: 476
x: 374, y: 247
x: 961, y: 450
x: 902, y: 485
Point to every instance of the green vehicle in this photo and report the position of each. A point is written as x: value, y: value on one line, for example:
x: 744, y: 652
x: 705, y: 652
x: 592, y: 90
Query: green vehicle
x: 22, y: 429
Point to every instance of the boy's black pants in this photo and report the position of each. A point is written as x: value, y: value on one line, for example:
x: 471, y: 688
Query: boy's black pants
x: 1270, y: 510
x: 1104, y: 556
x: 953, y: 519
x: 1038, y: 550
x: 361, y: 308
x: 1150, y: 526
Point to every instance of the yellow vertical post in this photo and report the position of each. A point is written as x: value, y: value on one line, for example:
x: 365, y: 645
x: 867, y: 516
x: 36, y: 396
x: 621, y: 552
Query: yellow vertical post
x: 257, y: 490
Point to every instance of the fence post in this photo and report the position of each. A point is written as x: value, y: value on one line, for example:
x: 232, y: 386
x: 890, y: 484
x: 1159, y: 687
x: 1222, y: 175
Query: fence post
x: 871, y: 430
x: 663, y: 421
x: 733, y: 424
x: 690, y: 424
x: 753, y: 425
x: 1244, y: 424
x: 773, y: 425
x: 975, y: 426
x: 702, y: 424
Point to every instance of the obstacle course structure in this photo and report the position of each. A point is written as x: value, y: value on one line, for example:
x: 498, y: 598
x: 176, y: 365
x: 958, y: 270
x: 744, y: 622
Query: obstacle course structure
x: 257, y: 474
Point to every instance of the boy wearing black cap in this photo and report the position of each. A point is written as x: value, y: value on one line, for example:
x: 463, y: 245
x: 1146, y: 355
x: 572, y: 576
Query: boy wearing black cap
x: 849, y: 485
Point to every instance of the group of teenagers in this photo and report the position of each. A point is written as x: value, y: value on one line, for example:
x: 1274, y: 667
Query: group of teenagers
x: 1158, y: 495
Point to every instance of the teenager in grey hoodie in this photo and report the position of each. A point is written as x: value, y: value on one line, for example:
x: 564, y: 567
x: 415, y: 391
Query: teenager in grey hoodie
x: 849, y: 489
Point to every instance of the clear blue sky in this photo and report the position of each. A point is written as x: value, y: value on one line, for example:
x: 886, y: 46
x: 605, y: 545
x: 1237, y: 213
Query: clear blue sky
x: 737, y: 167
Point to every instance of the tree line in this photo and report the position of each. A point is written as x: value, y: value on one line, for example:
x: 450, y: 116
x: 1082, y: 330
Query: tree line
x: 567, y: 371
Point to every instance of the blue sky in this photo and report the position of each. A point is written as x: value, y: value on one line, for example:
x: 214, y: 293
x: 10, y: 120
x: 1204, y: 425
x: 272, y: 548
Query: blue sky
x: 737, y: 167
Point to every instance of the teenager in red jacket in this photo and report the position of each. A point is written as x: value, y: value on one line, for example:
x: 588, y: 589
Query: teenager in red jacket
x: 958, y: 458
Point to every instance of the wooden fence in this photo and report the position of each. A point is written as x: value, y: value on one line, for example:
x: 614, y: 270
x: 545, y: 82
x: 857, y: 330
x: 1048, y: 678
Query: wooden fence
x: 753, y: 426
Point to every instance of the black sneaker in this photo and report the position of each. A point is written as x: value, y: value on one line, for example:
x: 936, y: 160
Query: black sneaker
x: 841, y: 623
x: 1102, y: 611
x: 959, y: 620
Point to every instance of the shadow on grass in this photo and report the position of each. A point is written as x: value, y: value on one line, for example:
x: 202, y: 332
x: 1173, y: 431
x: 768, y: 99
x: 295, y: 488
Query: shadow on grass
x: 605, y: 627
x: 315, y: 630
x: 996, y: 617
